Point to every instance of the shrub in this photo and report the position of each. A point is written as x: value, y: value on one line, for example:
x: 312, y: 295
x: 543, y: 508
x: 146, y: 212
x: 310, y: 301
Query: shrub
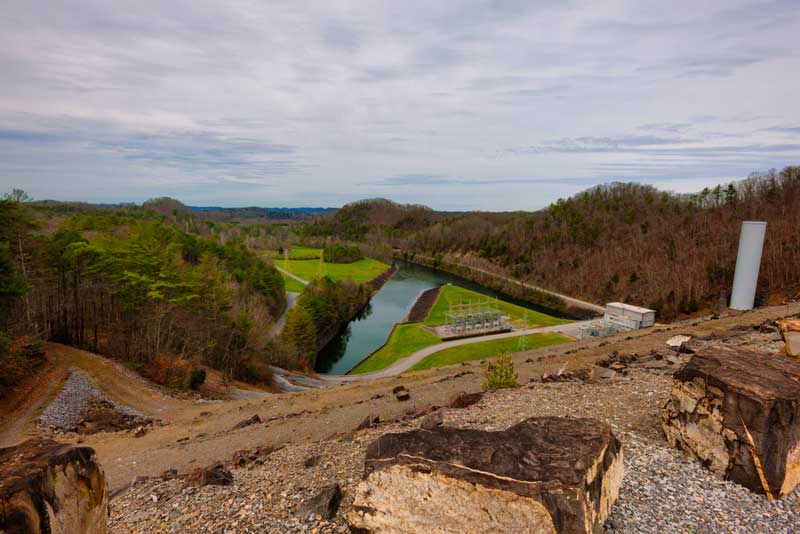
x: 342, y: 254
x: 500, y: 374
x: 197, y: 378
x: 134, y: 366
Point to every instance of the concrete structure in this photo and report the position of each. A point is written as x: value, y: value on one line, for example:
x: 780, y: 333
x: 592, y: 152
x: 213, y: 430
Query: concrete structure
x: 628, y: 317
x: 748, y: 263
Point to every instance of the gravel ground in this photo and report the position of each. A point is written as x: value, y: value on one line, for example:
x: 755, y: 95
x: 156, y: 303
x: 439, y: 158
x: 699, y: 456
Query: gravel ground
x: 68, y: 409
x: 662, y: 492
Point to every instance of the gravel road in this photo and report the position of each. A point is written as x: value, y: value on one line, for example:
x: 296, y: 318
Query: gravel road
x: 67, y: 410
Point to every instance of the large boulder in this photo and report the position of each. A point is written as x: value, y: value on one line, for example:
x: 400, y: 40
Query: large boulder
x: 48, y: 487
x: 543, y: 475
x: 738, y: 412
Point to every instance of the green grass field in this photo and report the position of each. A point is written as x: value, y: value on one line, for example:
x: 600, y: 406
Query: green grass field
x: 405, y: 339
x: 292, y: 284
x: 456, y: 295
x: 304, y: 253
x: 358, y: 271
x: 488, y: 349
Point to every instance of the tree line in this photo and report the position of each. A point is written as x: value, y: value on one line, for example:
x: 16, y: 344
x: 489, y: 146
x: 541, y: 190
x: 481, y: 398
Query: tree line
x: 621, y: 241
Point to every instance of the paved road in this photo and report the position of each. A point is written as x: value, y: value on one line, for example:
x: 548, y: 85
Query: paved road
x: 291, y: 302
x: 291, y: 275
x: 404, y: 364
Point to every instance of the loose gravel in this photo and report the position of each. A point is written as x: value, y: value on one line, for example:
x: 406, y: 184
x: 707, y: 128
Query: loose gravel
x: 69, y: 408
x: 662, y: 492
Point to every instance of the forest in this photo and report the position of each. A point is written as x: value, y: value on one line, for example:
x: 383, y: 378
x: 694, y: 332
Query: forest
x: 155, y: 286
x: 622, y: 241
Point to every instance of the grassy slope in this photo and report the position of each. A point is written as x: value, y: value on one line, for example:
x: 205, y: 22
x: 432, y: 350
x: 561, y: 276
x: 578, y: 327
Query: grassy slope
x: 405, y: 340
x: 292, y: 284
x: 456, y: 295
x: 488, y: 349
x: 358, y: 271
x: 409, y: 338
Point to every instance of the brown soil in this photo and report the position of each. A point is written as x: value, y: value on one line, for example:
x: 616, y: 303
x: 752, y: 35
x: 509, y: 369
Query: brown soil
x: 199, y: 433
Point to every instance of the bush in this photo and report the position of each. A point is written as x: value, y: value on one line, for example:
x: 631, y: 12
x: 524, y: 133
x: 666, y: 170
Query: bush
x: 197, y: 378
x: 169, y: 371
x: 500, y: 374
x: 342, y: 254
x: 134, y: 366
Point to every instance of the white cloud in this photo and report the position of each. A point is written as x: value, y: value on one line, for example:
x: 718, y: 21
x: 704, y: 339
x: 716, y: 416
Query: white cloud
x: 109, y: 101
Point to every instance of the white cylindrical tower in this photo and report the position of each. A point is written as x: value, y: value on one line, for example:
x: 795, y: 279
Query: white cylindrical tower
x: 748, y: 263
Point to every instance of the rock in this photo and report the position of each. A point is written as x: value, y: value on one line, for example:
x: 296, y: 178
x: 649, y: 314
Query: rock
x: 54, y: 488
x: 545, y: 474
x: 369, y: 421
x: 140, y: 431
x: 247, y: 422
x: 403, y: 395
x: 325, y: 503
x: 398, y: 389
x: 601, y: 373
x: 790, y: 332
x: 722, y: 390
x: 677, y: 341
x: 212, y: 475
x: 432, y: 420
x: 463, y: 400
x: 248, y: 456
x: 312, y: 461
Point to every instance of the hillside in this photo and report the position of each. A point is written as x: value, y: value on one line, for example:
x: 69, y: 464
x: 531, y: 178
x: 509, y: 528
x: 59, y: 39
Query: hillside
x: 622, y: 241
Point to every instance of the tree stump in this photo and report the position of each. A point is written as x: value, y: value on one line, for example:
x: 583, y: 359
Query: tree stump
x: 725, y: 392
x: 48, y: 487
x: 544, y: 474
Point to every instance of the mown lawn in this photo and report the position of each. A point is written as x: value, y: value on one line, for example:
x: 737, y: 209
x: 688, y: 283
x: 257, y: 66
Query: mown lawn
x: 405, y: 340
x: 304, y: 253
x: 292, y: 284
x: 457, y: 295
x: 488, y: 349
x: 358, y: 271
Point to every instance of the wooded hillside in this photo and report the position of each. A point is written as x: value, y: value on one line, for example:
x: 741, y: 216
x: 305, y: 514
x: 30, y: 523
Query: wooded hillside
x: 629, y: 242
x: 135, y: 286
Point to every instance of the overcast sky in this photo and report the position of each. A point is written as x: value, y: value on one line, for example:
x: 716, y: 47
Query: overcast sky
x: 458, y: 105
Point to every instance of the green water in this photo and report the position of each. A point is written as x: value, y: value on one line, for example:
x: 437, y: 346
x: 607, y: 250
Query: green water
x: 366, y: 333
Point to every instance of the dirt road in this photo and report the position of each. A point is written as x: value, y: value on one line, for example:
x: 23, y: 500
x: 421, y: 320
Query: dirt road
x: 198, y: 433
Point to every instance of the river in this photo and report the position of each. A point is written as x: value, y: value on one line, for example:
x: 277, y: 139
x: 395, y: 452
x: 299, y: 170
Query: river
x: 366, y: 333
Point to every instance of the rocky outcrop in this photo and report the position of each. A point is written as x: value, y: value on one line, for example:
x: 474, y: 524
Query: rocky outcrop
x: 790, y: 332
x: 212, y: 475
x: 738, y: 412
x: 544, y: 474
x: 325, y: 503
x: 48, y: 487
x: 463, y: 400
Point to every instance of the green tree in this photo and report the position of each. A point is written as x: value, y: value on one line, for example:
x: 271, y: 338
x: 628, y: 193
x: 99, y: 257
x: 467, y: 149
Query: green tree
x: 301, y: 331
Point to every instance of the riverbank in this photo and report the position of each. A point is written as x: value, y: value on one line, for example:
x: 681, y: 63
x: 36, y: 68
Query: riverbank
x: 412, y: 342
x: 563, y: 305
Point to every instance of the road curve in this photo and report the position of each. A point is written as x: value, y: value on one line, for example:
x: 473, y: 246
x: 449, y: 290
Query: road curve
x: 404, y: 364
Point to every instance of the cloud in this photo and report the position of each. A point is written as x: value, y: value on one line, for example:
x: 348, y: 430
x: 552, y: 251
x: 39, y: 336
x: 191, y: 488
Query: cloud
x: 285, y: 102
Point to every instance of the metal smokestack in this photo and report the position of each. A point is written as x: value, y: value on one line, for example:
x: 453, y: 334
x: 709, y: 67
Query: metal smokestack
x: 748, y: 262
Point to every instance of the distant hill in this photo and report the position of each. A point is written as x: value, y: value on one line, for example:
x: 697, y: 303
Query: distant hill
x: 621, y: 241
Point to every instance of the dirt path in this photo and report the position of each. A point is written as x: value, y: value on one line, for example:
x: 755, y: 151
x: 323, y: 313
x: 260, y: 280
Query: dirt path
x: 199, y: 433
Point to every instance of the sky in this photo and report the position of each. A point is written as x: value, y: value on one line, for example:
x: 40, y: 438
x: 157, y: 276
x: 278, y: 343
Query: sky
x: 460, y: 105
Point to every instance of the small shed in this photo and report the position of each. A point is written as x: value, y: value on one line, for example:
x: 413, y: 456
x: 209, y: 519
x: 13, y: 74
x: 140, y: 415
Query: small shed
x: 629, y: 316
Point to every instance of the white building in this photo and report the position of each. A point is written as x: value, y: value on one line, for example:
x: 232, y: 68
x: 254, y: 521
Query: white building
x: 628, y: 316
